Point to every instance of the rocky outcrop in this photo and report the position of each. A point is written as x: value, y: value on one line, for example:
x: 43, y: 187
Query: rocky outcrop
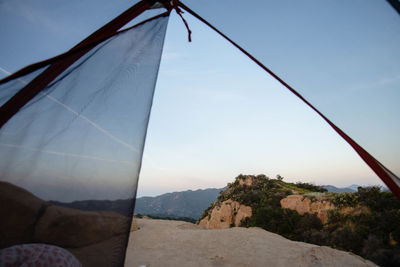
x: 303, y: 204
x: 229, y: 213
x: 72, y: 228
x: 175, y: 243
x: 28, y: 219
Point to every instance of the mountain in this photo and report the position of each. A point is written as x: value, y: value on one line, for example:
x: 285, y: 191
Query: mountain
x: 178, y: 204
x: 334, y: 189
x: 354, y: 187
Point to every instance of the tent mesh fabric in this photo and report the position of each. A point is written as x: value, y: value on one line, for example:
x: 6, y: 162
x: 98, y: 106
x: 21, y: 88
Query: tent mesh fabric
x: 81, y: 138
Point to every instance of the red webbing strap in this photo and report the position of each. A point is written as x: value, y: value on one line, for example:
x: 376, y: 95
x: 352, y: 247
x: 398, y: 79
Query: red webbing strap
x: 12, y: 106
x: 377, y: 167
x: 35, y: 66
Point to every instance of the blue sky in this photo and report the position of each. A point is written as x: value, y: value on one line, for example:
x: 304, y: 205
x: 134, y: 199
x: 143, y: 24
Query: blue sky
x: 216, y: 114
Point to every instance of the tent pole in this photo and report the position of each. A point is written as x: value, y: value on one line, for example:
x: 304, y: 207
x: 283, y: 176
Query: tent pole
x: 27, y: 93
x: 395, y: 4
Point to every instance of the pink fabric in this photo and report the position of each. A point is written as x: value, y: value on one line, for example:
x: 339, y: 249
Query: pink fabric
x: 37, y: 255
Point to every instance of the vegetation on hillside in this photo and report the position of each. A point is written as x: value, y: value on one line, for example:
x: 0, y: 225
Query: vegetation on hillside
x: 372, y: 232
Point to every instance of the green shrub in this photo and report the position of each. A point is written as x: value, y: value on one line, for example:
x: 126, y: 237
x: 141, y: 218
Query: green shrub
x: 371, y: 244
x: 376, y: 200
x: 277, y: 220
x: 386, y: 257
x: 308, y: 222
x: 335, y: 217
x: 345, y: 239
x: 313, y: 236
x: 346, y: 200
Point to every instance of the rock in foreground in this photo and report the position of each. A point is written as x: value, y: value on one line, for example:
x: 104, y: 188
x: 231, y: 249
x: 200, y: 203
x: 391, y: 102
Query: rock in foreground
x: 95, y: 238
x: 175, y: 243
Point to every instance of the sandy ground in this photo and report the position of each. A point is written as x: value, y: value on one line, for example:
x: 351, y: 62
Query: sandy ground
x: 176, y: 243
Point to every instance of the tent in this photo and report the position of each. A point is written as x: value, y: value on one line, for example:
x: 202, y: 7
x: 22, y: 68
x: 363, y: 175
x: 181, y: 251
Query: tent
x: 62, y: 116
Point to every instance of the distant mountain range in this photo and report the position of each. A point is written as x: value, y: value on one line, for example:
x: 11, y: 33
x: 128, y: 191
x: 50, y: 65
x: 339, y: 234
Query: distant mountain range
x: 334, y: 189
x: 122, y: 206
x: 190, y: 203
x: 178, y: 204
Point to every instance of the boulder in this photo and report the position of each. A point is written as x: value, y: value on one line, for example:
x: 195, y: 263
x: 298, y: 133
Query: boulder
x: 229, y: 213
x: 96, y: 238
x: 175, y: 243
x: 27, y: 219
x: 75, y: 228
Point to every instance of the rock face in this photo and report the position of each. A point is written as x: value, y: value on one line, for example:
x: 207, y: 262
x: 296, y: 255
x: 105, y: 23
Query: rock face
x: 87, y: 234
x: 72, y: 228
x: 175, y: 243
x: 229, y: 213
x: 303, y: 204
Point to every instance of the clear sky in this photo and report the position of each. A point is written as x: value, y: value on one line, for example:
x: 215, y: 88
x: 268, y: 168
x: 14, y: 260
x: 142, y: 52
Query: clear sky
x: 216, y: 114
